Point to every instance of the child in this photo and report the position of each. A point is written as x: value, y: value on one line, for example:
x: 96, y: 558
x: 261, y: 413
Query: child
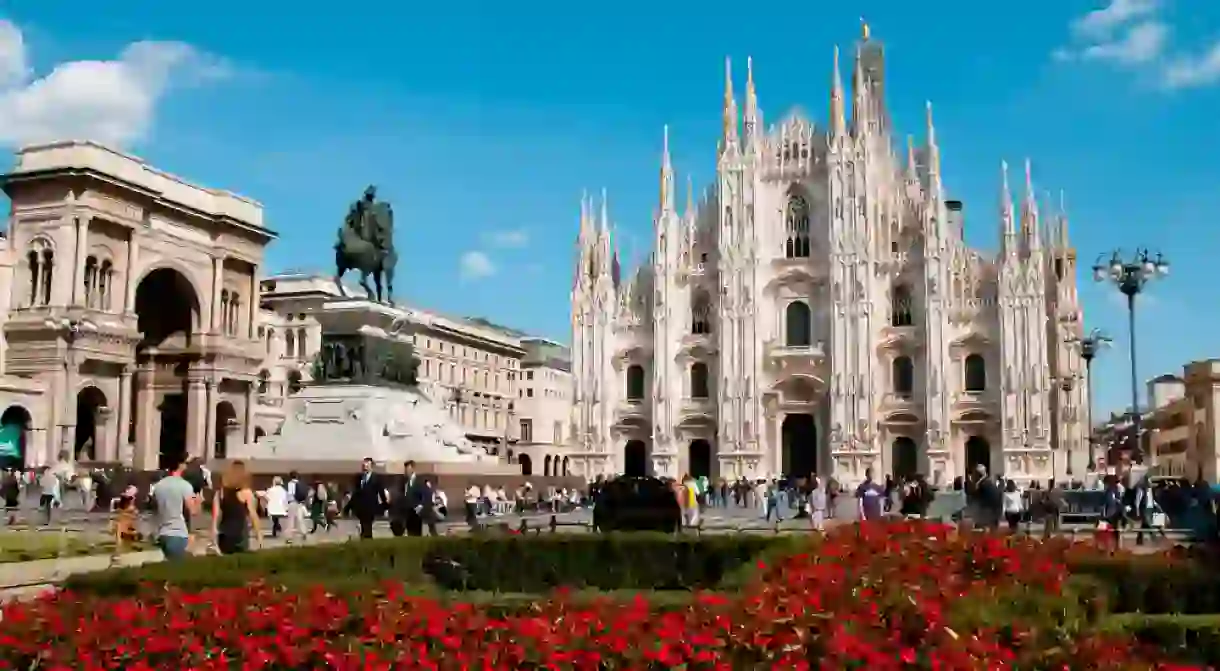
x: 125, y: 530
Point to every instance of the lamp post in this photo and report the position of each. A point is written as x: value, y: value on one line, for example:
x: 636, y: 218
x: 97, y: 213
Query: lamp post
x: 1090, y: 346
x: 1130, y: 275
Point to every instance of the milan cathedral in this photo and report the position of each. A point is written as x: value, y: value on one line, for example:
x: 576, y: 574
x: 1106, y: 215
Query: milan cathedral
x: 818, y: 311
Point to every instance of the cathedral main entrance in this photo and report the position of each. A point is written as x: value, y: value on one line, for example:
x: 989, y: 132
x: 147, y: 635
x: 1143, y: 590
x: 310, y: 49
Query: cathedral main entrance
x: 799, y: 437
x: 978, y: 453
x: 635, y: 459
x: 700, y: 458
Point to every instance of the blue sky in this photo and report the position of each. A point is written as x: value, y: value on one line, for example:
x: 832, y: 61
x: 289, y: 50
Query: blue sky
x: 483, y: 121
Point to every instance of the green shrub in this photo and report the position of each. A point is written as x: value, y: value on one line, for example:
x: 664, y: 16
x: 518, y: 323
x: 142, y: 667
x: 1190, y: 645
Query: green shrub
x: 1152, y: 584
x: 1192, y: 639
x: 492, y: 563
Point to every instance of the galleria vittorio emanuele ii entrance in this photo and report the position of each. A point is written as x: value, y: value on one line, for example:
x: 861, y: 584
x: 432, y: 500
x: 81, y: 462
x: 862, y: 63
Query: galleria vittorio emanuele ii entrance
x: 134, y: 304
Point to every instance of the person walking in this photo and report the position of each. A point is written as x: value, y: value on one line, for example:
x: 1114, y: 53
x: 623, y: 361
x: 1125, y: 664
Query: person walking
x: 174, y: 500
x: 276, y: 498
x: 817, y: 504
x: 368, y: 498
x: 235, y: 512
x: 870, y: 498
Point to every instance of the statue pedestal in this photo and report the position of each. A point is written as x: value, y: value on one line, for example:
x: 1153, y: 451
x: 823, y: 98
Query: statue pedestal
x: 346, y: 423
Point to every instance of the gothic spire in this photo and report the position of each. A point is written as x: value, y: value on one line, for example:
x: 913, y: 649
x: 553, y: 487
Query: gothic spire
x: 728, y: 138
x: 1008, y: 222
x: 1029, y: 212
x: 838, y: 110
x: 667, y: 176
x: 750, y: 119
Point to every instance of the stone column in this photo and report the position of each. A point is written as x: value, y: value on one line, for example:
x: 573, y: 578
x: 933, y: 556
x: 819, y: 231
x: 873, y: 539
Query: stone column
x: 133, y: 257
x: 103, y: 435
x: 196, y: 414
x: 216, y: 321
x: 147, y: 420
x: 124, y: 414
x: 78, y: 263
x: 233, y: 434
x: 255, y: 299
x: 250, y: 406
x: 209, y: 428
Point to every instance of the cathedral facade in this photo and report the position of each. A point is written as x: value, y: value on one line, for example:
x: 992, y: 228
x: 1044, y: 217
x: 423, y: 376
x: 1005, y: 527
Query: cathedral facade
x: 817, y: 310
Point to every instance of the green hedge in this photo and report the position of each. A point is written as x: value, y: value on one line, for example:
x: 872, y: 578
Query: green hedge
x: 1152, y: 584
x: 493, y: 563
x: 1192, y: 639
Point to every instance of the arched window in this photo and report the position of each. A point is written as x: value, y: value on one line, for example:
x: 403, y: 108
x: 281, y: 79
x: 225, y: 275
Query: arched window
x: 263, y: 378
x: 301, y: 341
x: 796, y: 243
x: 41, y: 261
x: 900, y: 306
x: 234, y: 313
x: 294, y: 381
x: 90, y: 283
x: 223, y: 317
x: 289, y: 343
x: 698, y: 380
x: 635, y: 382
x: 105, y: 281
x: 903, y: 374
x: 976, y: 374
x: 798, y: 325
x: 48, y: 272
x: 34, y: 260
x: 701, y: 313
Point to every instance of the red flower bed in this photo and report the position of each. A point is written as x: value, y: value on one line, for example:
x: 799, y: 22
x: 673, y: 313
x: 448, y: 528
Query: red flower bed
x: 877, y: 597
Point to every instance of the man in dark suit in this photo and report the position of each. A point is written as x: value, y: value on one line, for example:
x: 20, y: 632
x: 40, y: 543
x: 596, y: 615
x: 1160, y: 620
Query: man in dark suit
x: 410, y: 503
x: 368, y: 498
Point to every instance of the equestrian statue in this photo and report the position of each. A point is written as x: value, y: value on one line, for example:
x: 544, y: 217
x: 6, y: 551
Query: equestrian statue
x: 366, y: 243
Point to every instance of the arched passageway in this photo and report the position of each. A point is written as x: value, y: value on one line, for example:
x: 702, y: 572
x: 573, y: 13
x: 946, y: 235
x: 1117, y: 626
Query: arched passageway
x: 527, y: 464
x: 546, y: 466
x: 89, y: 402
x: 14, y: 436
x: 565, y: 467
x: 167, y: 316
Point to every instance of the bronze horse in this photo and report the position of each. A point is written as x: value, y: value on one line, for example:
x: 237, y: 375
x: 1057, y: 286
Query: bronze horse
x: 366, y: 243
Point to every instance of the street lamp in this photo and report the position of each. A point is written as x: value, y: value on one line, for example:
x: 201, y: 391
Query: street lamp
x: 1130, y: 275
x: 1090, y: 346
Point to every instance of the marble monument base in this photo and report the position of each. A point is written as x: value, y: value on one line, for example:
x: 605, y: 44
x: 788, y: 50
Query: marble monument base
x: 340, y: 424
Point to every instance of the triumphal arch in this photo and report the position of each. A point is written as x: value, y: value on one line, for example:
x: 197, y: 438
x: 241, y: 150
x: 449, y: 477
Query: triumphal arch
x: 134, y: 303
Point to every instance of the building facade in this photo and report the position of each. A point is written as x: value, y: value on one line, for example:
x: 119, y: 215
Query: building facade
x: 817, y: 310
x: 544, y: 407
x: 1182, y: 423
x: 132, y: 303
x: 473, y: 367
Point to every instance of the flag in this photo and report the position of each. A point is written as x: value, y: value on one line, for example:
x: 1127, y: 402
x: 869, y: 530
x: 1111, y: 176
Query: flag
x: 10, y: 441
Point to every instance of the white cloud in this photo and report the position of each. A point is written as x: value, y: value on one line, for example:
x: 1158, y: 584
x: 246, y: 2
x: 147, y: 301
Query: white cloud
x: 1101, y: 24
x: 514, y: 239
x: 111, y: 101
x: 1131, y: 34
x: 476, y: 265
x: 1142, y: 43
x: 1189, y: 72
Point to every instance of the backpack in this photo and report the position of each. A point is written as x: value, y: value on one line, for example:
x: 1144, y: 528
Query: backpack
x: 300, y: 492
